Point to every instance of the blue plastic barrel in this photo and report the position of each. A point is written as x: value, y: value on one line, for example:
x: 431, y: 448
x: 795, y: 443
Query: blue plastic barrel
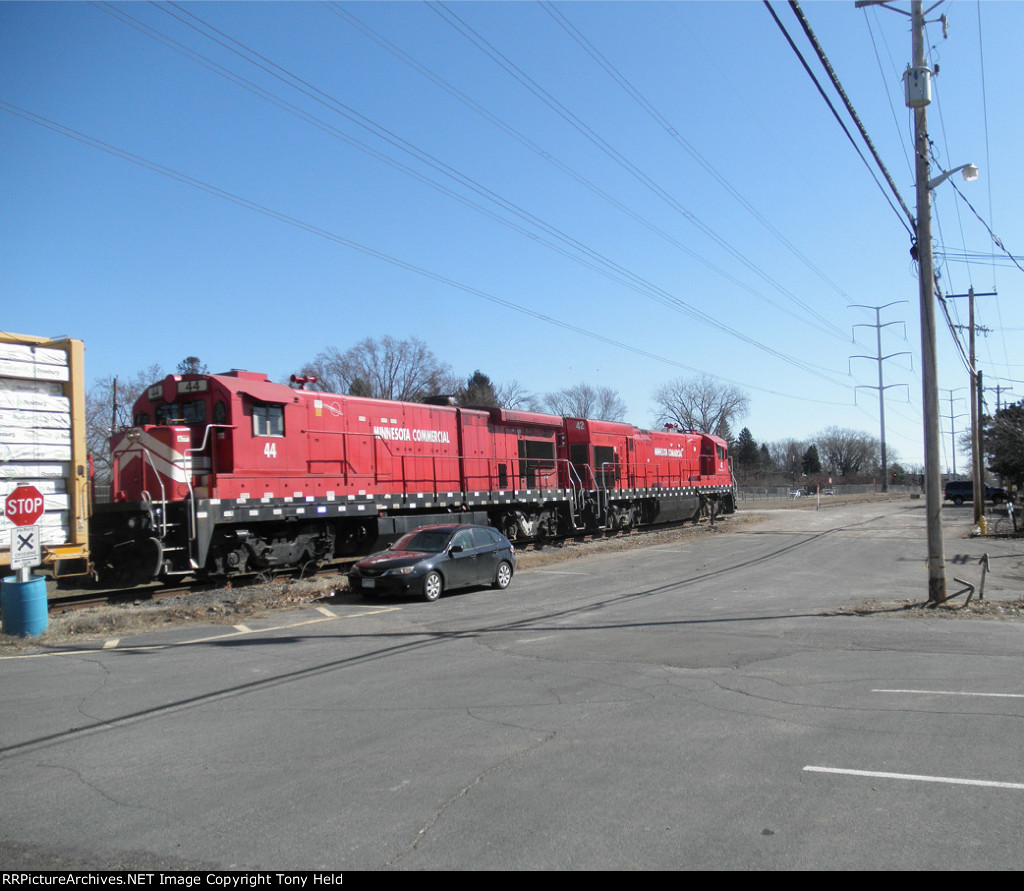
x: 23, y: 606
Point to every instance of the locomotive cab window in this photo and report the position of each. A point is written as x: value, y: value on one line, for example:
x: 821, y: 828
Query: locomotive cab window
x: 268, y: 420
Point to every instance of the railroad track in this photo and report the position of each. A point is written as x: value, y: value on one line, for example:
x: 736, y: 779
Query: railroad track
x: 83, y: 598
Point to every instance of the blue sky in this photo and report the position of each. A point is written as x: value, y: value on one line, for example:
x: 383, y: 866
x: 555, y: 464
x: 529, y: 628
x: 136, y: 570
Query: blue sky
x: 517, y: 209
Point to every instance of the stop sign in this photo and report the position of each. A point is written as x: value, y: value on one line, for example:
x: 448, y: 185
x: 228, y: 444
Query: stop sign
x: 24, y: 506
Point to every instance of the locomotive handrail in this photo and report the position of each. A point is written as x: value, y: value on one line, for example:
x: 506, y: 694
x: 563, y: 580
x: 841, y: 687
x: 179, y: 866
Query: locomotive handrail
x: 576, y: 485
x: 163, y: 491
x: 607, y: 497
x: 191, y: 513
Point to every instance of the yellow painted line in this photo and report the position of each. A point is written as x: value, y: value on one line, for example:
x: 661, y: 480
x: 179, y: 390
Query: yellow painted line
x: 113, y: 645
x: 373, y: 611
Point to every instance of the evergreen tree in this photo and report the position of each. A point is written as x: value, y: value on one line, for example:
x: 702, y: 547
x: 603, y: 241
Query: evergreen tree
x: 478, y: 391
x: 192, y: 365
x: 747, y: 454
x: 1004, y: 442
x: 722, y: 431
x: 811, y: 463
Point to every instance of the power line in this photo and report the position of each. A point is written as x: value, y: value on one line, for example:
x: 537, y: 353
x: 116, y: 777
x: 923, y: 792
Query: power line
x: 591, y: 135
x: 319, y: 231
x: 906, y: 212
x: 590, y: 258
x: 688, y: 147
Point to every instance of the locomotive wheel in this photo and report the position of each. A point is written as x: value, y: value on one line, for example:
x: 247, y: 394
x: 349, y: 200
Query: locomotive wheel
x: 433, y: 585
x: 503, y: 576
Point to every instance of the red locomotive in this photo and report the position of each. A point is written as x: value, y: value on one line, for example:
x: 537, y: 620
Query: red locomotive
x: 229, y: 473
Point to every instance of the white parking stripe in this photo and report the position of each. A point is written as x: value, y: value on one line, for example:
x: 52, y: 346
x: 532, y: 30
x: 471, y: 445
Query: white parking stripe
x: 876, y: 774
x: 955, y: 693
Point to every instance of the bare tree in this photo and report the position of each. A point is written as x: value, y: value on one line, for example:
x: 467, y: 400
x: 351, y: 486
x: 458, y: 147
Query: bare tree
x: 700, y: 403
x: 108, y: 410
x: 846, y: 452
x: 388, y: 368
x: 513, y: 395
x: 584, y: 401
x: 788, y: 455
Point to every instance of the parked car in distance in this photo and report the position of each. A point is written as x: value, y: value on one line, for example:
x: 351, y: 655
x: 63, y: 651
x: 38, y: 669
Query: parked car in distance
x: 434, y: 559
x: 959, y: 491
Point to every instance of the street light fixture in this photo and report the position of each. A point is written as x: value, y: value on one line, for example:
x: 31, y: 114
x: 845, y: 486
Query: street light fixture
x: 970, y: 175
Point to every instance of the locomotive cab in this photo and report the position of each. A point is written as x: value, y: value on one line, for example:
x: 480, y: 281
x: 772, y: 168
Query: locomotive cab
x: 194, y: 409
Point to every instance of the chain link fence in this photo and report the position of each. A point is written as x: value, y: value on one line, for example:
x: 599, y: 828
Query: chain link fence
x: 787, y: 493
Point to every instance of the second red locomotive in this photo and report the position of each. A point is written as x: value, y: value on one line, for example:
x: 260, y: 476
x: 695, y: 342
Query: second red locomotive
x: 230, y: 473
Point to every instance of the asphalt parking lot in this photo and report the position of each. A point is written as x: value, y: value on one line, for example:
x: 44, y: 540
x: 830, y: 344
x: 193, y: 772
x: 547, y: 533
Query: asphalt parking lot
x: 730, y: 702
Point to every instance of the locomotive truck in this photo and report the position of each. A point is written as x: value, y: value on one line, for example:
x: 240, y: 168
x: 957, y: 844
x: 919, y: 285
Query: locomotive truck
x: 224, y: 474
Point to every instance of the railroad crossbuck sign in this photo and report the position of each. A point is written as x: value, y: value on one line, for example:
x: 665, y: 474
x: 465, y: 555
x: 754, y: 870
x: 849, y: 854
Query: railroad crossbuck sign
x: 25, y: 547
x: 23, y: 507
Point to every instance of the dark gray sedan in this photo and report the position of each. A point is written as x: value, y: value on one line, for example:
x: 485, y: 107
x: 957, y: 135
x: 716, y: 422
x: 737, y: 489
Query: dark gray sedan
x: 433, y: 559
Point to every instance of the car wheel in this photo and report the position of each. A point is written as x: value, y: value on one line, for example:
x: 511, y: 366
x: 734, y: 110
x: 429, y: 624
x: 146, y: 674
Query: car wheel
x: 433, y: 585
x: 503, y: 576
x: 958, y: 500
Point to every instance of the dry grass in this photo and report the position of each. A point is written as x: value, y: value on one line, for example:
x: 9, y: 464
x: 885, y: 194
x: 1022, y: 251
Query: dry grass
x: 1005, y: 610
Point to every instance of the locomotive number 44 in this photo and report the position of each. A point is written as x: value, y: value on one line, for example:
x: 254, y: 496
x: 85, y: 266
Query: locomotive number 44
x: 270, y: 450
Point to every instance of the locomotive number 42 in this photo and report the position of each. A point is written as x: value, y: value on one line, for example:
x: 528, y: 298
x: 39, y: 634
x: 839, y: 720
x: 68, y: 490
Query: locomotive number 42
x: 270, y: 450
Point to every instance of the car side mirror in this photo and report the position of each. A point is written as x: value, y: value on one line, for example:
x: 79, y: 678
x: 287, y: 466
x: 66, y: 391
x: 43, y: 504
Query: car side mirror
x: 456, y: 549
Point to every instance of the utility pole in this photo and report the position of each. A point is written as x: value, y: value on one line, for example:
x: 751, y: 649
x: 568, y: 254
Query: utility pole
x: 999, y: 395
x: 978, y: 472
x: 977, y: 397
x: 918, y: 79
x: 879, y: 358
x: 918, y: 89
x: 977, y: 452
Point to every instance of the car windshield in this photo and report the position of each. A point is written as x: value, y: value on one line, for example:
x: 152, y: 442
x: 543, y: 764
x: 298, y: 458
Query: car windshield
x: 428, y: 541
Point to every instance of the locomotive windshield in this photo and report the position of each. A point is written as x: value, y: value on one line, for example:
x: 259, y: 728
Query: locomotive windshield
x: 190, y: 412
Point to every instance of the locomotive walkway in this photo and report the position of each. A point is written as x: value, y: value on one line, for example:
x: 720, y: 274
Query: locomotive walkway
x: 703, y: 704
